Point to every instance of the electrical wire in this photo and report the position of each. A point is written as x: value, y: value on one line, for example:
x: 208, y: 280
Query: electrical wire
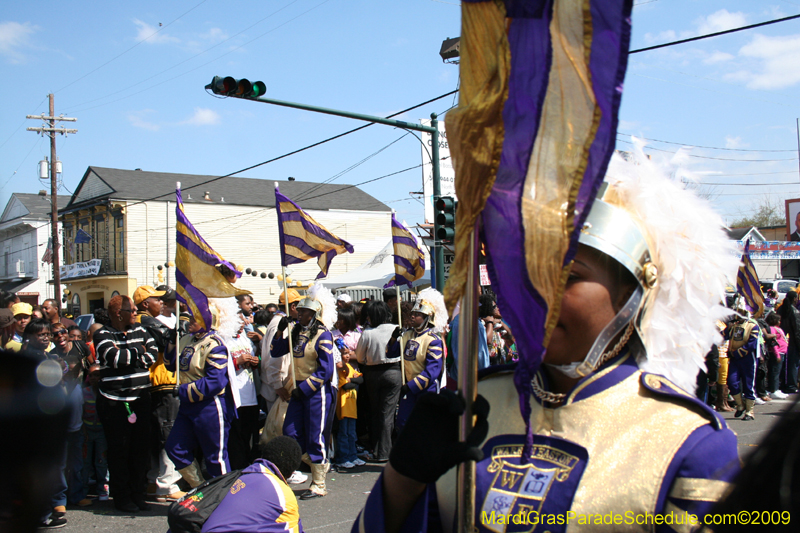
x: 131, y: 48
x: 716, y: 158
x: 715, y: 34
x: 705, y: 147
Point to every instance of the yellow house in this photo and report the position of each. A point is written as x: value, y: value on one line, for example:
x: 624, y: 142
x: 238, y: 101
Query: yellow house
x: 119, y: 230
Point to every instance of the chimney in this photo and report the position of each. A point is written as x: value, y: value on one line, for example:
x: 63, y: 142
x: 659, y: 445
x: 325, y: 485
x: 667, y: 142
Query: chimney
x: 291, y: 178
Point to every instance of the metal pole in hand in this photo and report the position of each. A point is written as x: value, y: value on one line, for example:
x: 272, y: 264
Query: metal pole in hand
x: 177, y: 344
x: 468, y: 386
x: 288, y: 317
x: 400, y: 340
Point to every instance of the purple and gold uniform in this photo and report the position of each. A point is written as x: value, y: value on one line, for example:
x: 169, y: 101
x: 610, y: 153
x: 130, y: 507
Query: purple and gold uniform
x: 423, y: 361
x: 204, y: 415
x: 624, y: 442
x: 259, y: 501
x: 313, y: 367
x: 742, y: 365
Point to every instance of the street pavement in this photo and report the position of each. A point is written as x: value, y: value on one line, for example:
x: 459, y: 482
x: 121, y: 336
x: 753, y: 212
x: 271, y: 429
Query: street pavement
x: 348, y: 490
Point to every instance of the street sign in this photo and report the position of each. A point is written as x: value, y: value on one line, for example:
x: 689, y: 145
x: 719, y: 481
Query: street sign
x: 449, y: 258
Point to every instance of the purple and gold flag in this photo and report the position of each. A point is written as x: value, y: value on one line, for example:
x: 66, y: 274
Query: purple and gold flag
x: 748, y: 286
x: 541, y: 83
x: 409, y: 259
x: 302, y: 237
x: 196, y: 274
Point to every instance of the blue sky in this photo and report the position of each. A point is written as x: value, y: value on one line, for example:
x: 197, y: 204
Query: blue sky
x: 133, y: 74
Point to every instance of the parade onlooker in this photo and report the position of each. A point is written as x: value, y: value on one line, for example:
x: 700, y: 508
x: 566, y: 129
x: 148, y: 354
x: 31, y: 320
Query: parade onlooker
x: 343, y: 300
x: 382, y: 377
x: 75, y: 333
x: 7, y: 326
x: 36, y: 339
x: 790, y: 324
x: 63, y: 346
x: 347, y: 411
x: 73, y: 472
x: 22, y: 315
x: 127, y: 351
x: 53, y: 314
x: 169, y: 301
x: 243, y: 434
x: 37, y: 312
x: 95, y: 447
x: 776, y: 346
x: 161, y: 476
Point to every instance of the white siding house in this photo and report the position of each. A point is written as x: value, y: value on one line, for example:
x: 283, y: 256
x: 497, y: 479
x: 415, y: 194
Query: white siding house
x: 133, y: 233
x: 24, y: 233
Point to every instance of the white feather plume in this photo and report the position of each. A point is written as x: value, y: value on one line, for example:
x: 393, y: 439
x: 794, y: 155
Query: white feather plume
x: 695, y: 260
x: 226, y: 316
x: 436, y: 300
x: 324, y: 296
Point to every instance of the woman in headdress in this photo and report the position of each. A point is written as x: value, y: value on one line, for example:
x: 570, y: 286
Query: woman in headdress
x: 616, y: 428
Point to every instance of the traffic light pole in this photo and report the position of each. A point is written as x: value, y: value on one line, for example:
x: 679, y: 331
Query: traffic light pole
x: 433, y: 129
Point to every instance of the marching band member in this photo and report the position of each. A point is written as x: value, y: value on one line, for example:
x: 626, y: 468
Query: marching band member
x: 312, y: 397
x: 423, y: 351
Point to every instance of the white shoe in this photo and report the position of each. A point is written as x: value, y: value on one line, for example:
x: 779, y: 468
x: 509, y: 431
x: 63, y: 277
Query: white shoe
x: 297, y: 478
x: 346, y: 464
x: 759, y: 401
x: 359, y: 462
x: 778, y: 395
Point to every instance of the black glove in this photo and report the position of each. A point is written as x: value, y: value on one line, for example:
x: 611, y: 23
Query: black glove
x: 348, y: 386
x: 283, y: 324
x: 172, y: 337
x: 428, y: 446
x: 404, y: 390
x: 396, y: 333
x: 297, y: 394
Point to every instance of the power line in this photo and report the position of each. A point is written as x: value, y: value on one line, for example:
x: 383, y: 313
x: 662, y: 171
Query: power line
x: 131, y: 48
x: 705, y: 147
x: 715, y: 34
x: 716, y: 158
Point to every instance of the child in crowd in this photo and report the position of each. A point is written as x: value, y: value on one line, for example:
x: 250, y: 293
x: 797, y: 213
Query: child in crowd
x: 346, y: 412
x: 94, y: 440
x: 777, y: 346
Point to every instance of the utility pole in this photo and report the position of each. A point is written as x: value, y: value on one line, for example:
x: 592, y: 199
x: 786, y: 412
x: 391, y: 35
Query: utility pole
x: 49, y: 129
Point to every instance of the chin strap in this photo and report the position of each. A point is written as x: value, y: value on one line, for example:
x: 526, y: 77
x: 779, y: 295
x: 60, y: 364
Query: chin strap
x: 596, y: 355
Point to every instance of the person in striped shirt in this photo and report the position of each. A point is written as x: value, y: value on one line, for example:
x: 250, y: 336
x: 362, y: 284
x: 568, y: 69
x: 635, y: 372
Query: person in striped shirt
x: 126, y: 351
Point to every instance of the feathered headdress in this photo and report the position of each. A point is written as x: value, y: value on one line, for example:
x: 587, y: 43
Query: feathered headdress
x: 695, y: 260
x: 225, y: 312
x: 325, y: 297
x: 432, y: 298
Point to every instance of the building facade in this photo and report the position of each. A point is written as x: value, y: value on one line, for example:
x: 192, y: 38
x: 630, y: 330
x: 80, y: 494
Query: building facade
x: 24, y: 235
x: 119, y: 230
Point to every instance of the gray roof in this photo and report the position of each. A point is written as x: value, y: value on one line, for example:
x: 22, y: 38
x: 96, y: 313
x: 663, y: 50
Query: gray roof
x: 737, y: 234
x: 39, y: 206
x: 139, y: 185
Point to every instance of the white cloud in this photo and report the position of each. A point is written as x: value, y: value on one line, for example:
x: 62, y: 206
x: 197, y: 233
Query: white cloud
x: 734, y: 142
x: 151, y: 34
x: 661, y: 37
x: 14, y: 39
x: 777, y: 60
x: 718, y: 57
x: 215, y: 34
x: 203, y: 117
x: 137, y: 121
x: 720, y: 21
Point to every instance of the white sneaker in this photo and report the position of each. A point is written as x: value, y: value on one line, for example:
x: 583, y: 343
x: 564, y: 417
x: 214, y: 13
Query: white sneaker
x: 759, y: 401
x: 359, y: 462
x: 347, y: 465
x: 297, y: 478
x: 778, y: 395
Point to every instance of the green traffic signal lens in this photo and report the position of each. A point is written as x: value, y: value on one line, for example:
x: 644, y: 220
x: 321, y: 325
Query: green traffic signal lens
x: 259, y: 89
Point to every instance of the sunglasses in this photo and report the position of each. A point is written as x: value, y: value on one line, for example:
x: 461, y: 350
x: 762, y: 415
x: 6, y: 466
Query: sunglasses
x: 60, y: 332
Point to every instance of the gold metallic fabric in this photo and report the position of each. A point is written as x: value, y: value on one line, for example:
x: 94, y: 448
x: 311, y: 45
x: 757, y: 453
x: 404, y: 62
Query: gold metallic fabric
x: 475, y: 127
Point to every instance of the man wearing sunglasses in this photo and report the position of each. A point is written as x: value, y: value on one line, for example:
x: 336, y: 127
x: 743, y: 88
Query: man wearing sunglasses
x: 126, y: 350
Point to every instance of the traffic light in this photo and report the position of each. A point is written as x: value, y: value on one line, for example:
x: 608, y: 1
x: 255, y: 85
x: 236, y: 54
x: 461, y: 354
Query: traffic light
x: 243, y: 88
x: 445, y: 219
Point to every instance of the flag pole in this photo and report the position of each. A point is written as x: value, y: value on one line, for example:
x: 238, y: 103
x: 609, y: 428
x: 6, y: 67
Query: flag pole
x: 288, y: 317
x: 177, y: 308
x: 400, y: 323
x: 468, y: 386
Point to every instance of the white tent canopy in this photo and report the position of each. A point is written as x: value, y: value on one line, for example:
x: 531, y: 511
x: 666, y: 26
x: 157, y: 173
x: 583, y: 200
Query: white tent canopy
x: 374, y: 273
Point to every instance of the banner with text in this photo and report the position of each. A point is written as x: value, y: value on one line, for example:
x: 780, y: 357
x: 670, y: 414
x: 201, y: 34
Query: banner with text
x: 79, y: 270
x: 772, y: 249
